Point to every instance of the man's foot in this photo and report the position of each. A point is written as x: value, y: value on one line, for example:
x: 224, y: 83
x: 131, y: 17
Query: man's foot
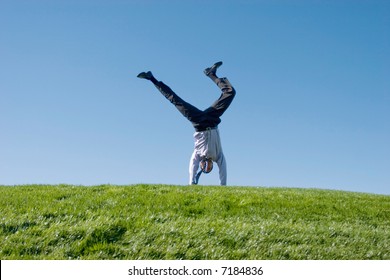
x: 212, y: 69
x: 145, y: 75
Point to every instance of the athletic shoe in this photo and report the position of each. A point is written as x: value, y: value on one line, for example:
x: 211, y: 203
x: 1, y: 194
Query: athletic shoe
x: 145, y: 75
x: 212, y: 69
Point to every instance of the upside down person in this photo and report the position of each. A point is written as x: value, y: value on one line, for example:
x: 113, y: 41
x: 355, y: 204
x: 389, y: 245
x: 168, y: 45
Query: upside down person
x: 208, y: 147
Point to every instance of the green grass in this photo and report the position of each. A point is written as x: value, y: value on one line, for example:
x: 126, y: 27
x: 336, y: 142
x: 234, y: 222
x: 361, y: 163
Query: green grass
x: 191, y: 222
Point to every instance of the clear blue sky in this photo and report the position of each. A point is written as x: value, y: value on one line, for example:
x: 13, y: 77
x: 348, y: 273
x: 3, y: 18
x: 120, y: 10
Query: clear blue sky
x: 312, y: 77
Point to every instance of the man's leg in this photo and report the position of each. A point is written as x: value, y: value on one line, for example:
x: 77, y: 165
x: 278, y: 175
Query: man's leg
x: 228, y: 92
x: 223, y: 102
x: 189, y: 111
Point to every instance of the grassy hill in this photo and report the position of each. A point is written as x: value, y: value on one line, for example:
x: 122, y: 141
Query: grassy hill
x: 191, y: 222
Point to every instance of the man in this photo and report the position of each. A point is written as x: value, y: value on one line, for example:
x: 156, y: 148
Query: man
x: 208, y: 147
